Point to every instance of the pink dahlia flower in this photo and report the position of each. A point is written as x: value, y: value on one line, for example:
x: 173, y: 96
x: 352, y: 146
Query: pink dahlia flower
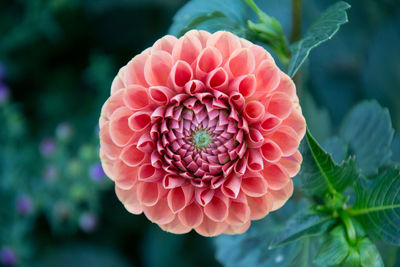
x: 202, y: 132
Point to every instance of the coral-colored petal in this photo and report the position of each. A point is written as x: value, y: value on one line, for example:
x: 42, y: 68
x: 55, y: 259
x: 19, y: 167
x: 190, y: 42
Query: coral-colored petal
x: 148, y: 173
x: 179, y: 197
x: 139, y: 121
x: 291, y: 164
x: 125, y: 176
x: 275, y: 177
x: 271, y: 151
x: 254, y: 184
x: 107, y: 165
x: 210, y: 228
x: 217, y: 80
x: 181, y: 73
x: 172, y: 181
x: 237, y: 229
x: 203, y: 195
x: 267, y: 76
x: 136, y: 97
x: 165, y: 43
x: 187, y: 48
x: 192, y: 215
x: 269, y: 124
x: 280, y: 105
x: 241, y: 62
x: 254, y: 139
x: 286, y: 86
x: 129, y: 199
x: 161, y: 94
x: 217, y: 208
x: 132, y: 156
x: 118, y: 82
x: 254, y: 160
x: 297, y: 122
x: 109, y: 148
x: 231, y: 186
x: 254, y: 111
x: 148, y: 193
x: 239, y: 213
x: 135, y: 71
x: 260, y: 206
x: 209, y: 59
x: 159, y: 213
x: 176, y: 227
x: 114, y: 102
x: 282, y: 195
x: 157, y: 68
x: 225, y: 42
x: 286, y: 138
x: 245, y: 85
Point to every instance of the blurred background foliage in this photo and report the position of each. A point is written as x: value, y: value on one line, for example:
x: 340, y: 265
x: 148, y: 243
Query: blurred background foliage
x: 57, y: 61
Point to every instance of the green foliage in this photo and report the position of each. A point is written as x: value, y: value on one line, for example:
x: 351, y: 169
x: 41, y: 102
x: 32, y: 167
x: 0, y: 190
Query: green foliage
x: 320, y: 31
x: 210, y: 15
x: 378, y: 205
x: 334, y: 248
x: 305, y: 223
x: 368, y: 131
x: 321, y: 175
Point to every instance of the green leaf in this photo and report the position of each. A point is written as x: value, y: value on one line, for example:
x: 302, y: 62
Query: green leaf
x: 303, y: 224
x: 251, y: 247
x: 320, y: 31
x: 210, y: 16
x: 378, y: 205
x: 368, y: 131
x: 334, y: 249
x: 369, y: 254
x: 320, y: 174
x: 352, y: 260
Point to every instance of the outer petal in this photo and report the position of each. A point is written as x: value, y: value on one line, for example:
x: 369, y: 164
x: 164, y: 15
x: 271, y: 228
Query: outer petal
x: 176, y: 227
x: 282, y: 195
x: 211, y: 228
x: 129, y: 199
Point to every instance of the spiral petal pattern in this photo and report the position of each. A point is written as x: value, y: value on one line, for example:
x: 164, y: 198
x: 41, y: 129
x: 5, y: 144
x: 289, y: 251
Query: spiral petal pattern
x: 202, y: 132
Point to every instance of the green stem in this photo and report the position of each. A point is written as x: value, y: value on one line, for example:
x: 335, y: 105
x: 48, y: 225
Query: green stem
x: 356, y: 212
x: 350, y: 230
x: 254, y: 7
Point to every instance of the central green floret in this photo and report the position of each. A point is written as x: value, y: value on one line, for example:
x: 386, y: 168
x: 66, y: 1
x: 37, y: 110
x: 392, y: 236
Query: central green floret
x: 201, y: 139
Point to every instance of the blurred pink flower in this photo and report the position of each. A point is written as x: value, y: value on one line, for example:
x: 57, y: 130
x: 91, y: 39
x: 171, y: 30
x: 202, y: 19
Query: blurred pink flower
x: 202, y: 132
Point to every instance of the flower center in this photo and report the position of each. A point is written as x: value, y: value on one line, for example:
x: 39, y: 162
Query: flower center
x: 201, y: 139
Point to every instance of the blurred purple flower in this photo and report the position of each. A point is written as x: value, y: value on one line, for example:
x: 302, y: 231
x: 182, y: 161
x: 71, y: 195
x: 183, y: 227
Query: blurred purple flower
x: 64, y: 131
x: 24, y: 205
x: 4, y: 93
x: 47, y: 147
x: 8, y: 257
x: 88, y: 222
x: 50, y: 173
x: 96, y: 172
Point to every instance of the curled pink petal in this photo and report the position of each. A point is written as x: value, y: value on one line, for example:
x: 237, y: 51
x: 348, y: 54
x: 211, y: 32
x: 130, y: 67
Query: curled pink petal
x: 202, y: 132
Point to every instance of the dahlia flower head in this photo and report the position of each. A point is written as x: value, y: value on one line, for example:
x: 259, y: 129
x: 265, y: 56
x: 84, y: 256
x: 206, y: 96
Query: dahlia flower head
x: 202, y: 132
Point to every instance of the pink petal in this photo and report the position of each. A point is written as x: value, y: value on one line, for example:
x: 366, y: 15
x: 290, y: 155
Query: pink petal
x: 209, y: 59
x: 269, y: 124
x: 254, y: 111
x: 286, y: 86
x: 271, y: 151
x: 187, y: 48
x: 161, y: 94
x: 260, y: 54
x: 179, y: 197
x: 254, y: 160
x: 120, y: 132
x: 297, y: 122
x: 132, y: 156
x: 172, y: 181
x: 107, y: 165
x: 175, y: 227
x: 165, y: 43
x: 125, y: 176
x: 267, y: 76
x: 217, y: 80
x: 286, y: 138
x: 118, y: 82
x: 241, y: 62
x: 275, y: 177
x: 237, y: 229
x: 148, y: 173
x: 113, y: 102
x: 134, y: 73
x: 254, y: 184
x: 291, y: 164
x: 280, y: 105
x: 191, y: 215
x: 231, y: 186
x: 145, y: 143
x: 159, y: 213
x: 181, y: 73
x: 217, y: 208
x: 139, y: 121
x: 203, y: 195
x: 157, y: 68
x: 225, y: 42
x: 194, y: 86
x: 254, y: 139
x: 129, y: 199
x: 210, y: 228
x: 148, y: 193
x: 260, y: 206
x: 245, y: 85
x: 282, y: 195
x: 239, y: 213
x: 109, y: 148
x: 136, y: 97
